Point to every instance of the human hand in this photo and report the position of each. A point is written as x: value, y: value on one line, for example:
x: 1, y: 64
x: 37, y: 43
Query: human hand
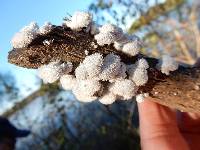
x: 162, y: 128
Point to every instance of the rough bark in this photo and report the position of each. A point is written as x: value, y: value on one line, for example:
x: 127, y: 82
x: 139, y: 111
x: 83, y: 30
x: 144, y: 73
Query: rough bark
x: 178, y: 90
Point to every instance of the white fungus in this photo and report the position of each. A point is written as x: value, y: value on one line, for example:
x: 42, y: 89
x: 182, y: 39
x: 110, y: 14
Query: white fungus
x: 90, y: 67
x: 105, y: 38
x: 141, y: 97
x: 46, y: 42
x: 46, y: 28
x: 110, y: 28
x: 118, y: 46
x: 93, y: 64
x: 86, y: 52
x: 138, y: 75
x: 79, y: 20
x: 131, y: 48
x: 86, y: 90
x: 53, y: 71
x: 80, y: 72
x: 167, y: 64
x: 25, y: 35
x: 121, y: 74
x: 124, y: 88
x: 111, y: 67
x: 108, y: 98
x: 68, y: 81
x: 142, y: 63
x: 108, y: 34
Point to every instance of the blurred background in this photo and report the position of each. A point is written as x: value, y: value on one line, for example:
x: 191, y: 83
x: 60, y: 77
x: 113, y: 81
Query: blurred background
x: 57, y: 120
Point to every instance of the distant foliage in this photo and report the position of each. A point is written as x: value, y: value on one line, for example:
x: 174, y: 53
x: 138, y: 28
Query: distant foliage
x: 8, y: 89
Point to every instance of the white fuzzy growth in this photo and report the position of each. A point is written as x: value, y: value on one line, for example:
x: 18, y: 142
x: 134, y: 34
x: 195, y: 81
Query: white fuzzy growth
x: 142, y: 63
x: 131, y: 48
x: 108, y: 34
x: 68, y: 81
x: 91, y: 67
x: 118, y: 46
x: 85, y: 90
x: 81, y: 72
x: 138, y: 75
x: 47, y: 27
x: 141, y: 97
x: 167, y: 64
x: 111, y: 67
x: 124, y: 88
x: 25, y: 35
x: 53, y: 71
x: 86, y: 52
x: 110, y: 28
x: 66, y: 67
x: 122, y: 73
x: 93, y: 64
x: 79, y: 20
x: 105, y: 38
x: 108, y: 98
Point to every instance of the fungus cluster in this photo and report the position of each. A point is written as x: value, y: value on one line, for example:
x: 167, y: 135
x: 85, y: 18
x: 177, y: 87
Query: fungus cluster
x: 106, y: 78
x: 167, y: 64
x: 25, y: 36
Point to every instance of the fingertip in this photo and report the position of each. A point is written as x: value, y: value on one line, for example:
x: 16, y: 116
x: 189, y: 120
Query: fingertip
x: 155, y: 118
x: 158, y: 126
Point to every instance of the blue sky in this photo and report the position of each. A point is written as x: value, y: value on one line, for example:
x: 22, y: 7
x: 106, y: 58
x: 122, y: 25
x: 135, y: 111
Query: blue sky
x: 15, y: 14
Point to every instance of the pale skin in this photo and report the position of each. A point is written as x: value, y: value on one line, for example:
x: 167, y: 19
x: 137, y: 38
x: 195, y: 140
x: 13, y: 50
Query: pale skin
x: 166, y: 129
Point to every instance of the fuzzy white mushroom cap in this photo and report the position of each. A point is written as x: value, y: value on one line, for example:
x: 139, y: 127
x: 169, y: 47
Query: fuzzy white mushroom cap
x: 105, y: 38
x: 68, y: 81
x: 93, y: 64
x: 124, y: 88
x: 80, y: 72
x: 108, y: 98
x: 90, y: 67
x: 142, y: 63
x: 47, y: 27
x: 86, y: 90
x: 167, y: 64
x: 110, y: 28
x: 79, y: 20
x: 138, y: 72
x: 25, y: 35
x: 131, y: 48
x: 121, y: 74
x: 108, y: 34
x: 111, y: 67
x: 53, y: 71
x: 138, y: 75
x: 141, y: 97
x: 118, y: 46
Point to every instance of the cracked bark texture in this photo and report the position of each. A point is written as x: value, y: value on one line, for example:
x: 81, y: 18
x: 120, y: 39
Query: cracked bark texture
x: 180, y: 90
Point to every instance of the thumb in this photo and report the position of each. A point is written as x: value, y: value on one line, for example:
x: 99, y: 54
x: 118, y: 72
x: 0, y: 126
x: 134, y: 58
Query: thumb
x: 158, y: 127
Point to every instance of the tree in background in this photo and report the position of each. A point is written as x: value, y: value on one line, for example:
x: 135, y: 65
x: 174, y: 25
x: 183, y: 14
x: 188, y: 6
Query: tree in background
x: 170, y: 26
x: 164, y: 27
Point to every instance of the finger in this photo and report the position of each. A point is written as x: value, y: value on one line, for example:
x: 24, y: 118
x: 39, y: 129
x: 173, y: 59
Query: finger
x: 158, y: 127
x: 189, y: 122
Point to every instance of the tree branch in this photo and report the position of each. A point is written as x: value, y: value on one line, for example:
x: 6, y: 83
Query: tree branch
x: 178, y: 90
